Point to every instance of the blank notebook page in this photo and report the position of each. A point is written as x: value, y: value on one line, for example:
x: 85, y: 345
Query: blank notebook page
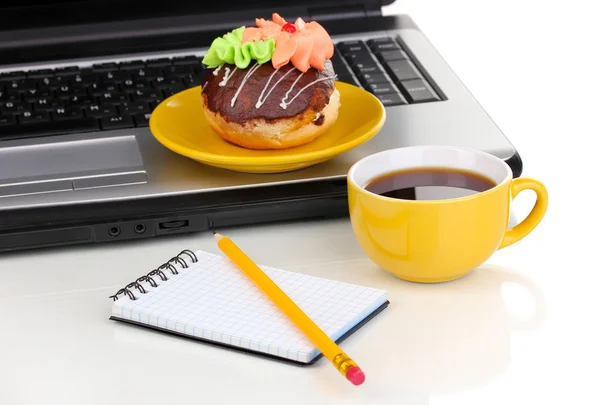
x: 212, y: 299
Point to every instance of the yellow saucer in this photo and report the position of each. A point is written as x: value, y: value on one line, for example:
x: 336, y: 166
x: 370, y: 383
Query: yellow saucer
x: 179, y: 124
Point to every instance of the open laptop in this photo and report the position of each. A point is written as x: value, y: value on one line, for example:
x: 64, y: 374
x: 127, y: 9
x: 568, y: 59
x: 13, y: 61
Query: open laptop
x: 79, y: 80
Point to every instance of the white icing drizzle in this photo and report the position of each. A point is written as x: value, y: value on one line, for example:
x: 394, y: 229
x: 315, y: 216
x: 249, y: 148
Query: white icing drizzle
x: 290, y: 90
x: 253, y: 69
x: 260, y: 102
x: 227, y: 76
x: 284, y: 104
x: 216, y: 71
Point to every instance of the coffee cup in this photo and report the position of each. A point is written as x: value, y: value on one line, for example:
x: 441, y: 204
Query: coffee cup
x: 433, y: 239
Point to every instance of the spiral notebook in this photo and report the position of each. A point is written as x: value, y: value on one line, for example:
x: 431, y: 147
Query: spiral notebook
x: 204, y: 296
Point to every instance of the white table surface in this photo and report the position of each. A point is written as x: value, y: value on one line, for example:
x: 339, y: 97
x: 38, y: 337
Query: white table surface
x: 522, y: 329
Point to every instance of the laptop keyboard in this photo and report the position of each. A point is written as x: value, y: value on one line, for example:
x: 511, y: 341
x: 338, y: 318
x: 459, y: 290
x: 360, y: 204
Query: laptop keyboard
x: 122, y: 95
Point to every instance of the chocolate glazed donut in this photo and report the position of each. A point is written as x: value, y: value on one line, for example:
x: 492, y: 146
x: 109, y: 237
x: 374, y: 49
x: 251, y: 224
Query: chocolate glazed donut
x: 261, y: 107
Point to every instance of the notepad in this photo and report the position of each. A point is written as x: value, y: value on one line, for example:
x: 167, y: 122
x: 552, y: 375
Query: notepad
x: 204, y: 296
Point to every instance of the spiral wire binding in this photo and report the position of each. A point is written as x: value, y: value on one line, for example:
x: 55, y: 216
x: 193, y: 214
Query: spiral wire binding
x: 160, y: 272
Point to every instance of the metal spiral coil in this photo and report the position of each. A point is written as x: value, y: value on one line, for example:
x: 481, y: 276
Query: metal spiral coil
x: 160, y: 272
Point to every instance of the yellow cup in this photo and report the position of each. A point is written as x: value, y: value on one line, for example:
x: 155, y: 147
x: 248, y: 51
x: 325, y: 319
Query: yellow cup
x: 433, y: 241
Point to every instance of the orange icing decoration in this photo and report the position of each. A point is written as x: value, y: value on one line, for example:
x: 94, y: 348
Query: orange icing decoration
x: 309, y: 46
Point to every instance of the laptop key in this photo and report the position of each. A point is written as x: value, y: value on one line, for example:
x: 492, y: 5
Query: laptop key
x: 147, y: 95
x: 45, y: 104
x: 105, y: 67
x: 390, y: 99
x: 115, y: 76
x: 381, y: 88
x: 186, y: 60
x: 137, y: 84
x: 67, y: 91
x: 117, y: 122
x: 359, y: 57
x: 417, y: 91
x: 28, y: 117
x: 80, y: 101
x: 66, y: 71
x: 40, y: 73
x: 99, y: 111
x: 361, y: 69
x: 352, y: 46
x: 9, y: 96
x: 142, y: 120
x: 377, y: 41
x: 372, y: 78
x: 16, y: 107
x: 7, y: 120
x: 34, y: 95
x: 158, y: 62
x: 67, y: 113
x: 392, y: 46
x: 132, y: 65
x: 113, y: 98
x: 9, y: 76
x: 401, y: 70
x: 135, y: 107
x: 52, y: 83
x: 391, y: 55
x: 49, y: 128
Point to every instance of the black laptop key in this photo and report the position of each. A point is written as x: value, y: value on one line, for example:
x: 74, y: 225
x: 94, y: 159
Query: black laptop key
x: 21, y: 85
x: 133, y: 108
x: 105, y: 67
x: 351, y: 46
x: 381, y: 88
x: 364, y: 58
x: 35, y: 94
x: 80, y: 101
x: 158, y: 62
x: 132, y: 65
x: 387, y: 56
x: 40, y: 73
x: 98, y: 89
x: 49, y: 128
x: 392, y: 46
x: 179, y: 70
x: 9, y: 96
x: 66, y: 71
x: 142, y: 120
x: 390, y: 99
x: 68, y: 91
x: 186, y: 60
x: 147, y: 95
x: 117, y: 122
x: 113, y: 98
x: 29, y: 117
x: 401, y: 70
x: 100, y: 111
x: 7, y: 120
x: 47, y: 104
x: 9, y: 76
x: 417, y: 91
x: 115, y: 76
x: 147, y: 73
x: 362, y: 68
x: 193, y: 81
x: 67, y: 113
x: 372, y: 78
x: 16, y: 107
x: 52, y: 83
x: 380, y: 40
x: 137, y: 84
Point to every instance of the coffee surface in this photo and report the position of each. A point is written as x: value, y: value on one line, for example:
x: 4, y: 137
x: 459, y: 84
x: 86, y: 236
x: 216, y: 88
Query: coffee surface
x: 429, y: 184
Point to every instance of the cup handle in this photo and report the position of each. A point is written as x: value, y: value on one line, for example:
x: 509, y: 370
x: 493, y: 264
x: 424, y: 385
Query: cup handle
x: 535, y: 216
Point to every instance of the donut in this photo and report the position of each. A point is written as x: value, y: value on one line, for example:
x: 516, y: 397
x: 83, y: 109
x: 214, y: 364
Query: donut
x: 271, y: 86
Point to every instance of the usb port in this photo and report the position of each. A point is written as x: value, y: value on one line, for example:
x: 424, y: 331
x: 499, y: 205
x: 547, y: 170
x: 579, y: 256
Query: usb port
x: 174, y: 224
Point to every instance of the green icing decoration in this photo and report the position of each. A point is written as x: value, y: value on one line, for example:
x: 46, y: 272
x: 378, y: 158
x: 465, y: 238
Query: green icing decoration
x: 229, y: 49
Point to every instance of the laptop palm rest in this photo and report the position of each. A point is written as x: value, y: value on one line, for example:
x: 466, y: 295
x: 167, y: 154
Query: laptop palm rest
x: 69, y: 166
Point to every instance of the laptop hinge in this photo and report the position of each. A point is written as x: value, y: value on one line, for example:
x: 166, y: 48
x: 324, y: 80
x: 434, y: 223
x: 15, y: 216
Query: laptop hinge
x: 343, y: 12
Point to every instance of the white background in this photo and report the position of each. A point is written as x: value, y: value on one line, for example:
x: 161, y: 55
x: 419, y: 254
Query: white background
x: 533, y: 65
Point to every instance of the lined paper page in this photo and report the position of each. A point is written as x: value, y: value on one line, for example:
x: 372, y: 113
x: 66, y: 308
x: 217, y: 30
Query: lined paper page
x: 214, y: 300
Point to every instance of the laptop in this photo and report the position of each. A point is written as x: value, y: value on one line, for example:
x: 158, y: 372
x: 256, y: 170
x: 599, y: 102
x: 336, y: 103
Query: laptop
x: 79, y: 80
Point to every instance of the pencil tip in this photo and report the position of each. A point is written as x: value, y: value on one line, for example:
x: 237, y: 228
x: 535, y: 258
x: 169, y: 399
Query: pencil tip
x: 214, y: 233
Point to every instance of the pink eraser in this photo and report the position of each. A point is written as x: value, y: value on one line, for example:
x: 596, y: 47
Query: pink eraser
x: 355, y: 375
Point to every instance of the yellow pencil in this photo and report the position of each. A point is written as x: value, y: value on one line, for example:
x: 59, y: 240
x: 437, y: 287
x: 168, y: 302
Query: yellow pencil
x: 342, y: 362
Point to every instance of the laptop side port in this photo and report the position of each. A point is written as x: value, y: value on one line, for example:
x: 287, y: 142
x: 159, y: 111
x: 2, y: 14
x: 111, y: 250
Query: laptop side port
x: 174, y: 225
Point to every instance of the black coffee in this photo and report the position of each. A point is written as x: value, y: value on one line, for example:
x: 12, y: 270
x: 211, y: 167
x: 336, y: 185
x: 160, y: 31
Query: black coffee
x: 429, y: 184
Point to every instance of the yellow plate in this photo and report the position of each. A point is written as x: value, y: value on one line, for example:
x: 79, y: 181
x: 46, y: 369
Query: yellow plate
x: 179, y: 124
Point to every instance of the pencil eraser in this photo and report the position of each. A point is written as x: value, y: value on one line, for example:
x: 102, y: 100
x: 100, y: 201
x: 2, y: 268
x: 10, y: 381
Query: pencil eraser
x: 355, y: 375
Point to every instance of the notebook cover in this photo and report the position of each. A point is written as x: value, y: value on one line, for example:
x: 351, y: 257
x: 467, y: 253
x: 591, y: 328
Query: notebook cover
x: 260, y: 354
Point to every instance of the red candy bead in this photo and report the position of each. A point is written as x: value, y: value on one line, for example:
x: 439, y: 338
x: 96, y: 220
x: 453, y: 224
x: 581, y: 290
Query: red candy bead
x: 289, y: 27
